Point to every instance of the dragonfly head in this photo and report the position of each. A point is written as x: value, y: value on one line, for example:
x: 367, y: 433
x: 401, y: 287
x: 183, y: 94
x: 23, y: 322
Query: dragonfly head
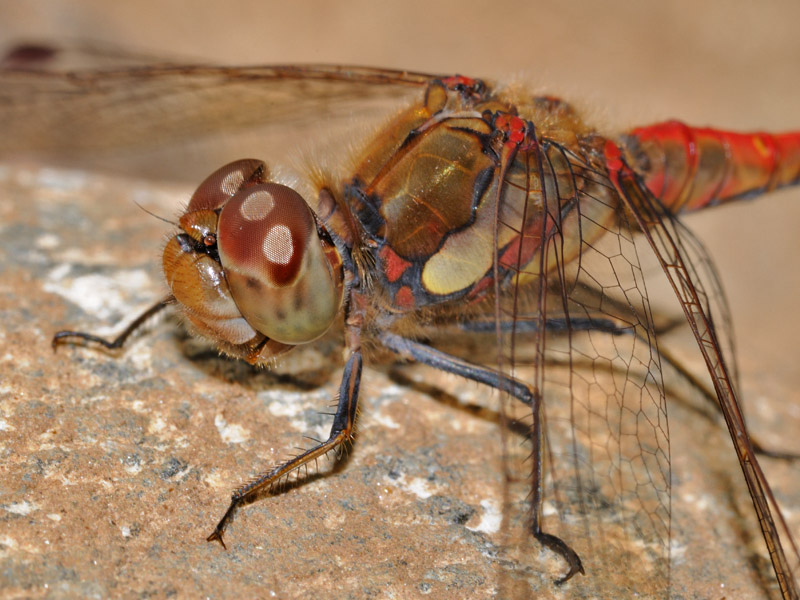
x: 253, y: 265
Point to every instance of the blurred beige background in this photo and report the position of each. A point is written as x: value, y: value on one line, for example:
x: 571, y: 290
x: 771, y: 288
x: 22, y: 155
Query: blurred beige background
x: 728, y: 64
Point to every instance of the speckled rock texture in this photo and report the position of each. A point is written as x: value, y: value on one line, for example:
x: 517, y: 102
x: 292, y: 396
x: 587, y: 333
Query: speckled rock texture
x: 115, y: 466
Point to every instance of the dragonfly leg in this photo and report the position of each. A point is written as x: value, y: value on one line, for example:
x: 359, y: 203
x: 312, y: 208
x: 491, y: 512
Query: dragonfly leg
x: 552, y: 326
x: 341, y: 431
x: 521, y: 391
x: 548, y: 540
x: 443, y: 361
x: 70, y: 337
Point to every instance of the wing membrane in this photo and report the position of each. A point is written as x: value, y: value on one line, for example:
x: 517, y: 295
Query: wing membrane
x: 147, y: 119
x: 607, y: 489
x: 664, y: 236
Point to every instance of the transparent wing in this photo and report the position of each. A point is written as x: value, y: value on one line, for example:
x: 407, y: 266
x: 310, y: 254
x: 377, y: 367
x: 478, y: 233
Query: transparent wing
x: 184, y: 121
x: 711, y: 293
x: 605, y: 414
x: 576, y: 323
x: 666, y: 238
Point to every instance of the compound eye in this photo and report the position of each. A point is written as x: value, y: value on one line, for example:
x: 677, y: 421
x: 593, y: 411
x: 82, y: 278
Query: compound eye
x: 226, y: 181
x: 285, y: 279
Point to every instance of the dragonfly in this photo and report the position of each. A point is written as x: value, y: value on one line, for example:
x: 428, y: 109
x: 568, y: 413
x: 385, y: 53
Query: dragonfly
x: 477, y: 211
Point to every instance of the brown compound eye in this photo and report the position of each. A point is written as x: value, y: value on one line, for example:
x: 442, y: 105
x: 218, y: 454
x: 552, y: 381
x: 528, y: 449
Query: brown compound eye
x: 286, y: 280
x: 226, y: 181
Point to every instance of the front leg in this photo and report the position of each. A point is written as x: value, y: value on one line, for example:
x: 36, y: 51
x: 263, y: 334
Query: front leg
x: 74, y: 337
x: 341, y: 431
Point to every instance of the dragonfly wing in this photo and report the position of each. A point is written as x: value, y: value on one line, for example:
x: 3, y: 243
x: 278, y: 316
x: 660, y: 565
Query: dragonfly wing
x: 665, y: 237
x: 711, y: 293
x: 582, y: 332
x: 184, y: 121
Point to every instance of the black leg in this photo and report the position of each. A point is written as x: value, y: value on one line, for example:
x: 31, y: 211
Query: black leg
x: 548, y: 540
x: 552, y: 326
x: 446, y: 362
x: 521, y: 391
x: 341, y: 431
x: 63, y: 337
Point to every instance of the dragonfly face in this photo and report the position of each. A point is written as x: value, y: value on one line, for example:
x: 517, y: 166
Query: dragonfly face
x: 253, y: 269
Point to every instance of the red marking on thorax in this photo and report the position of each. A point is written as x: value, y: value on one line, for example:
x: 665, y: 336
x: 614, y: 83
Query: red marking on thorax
x: 456, y: 80
x: 613, y: 156
x: 515, y: 128
x: 479, y: 290
x: 393, y: 265
x: 404, y: 298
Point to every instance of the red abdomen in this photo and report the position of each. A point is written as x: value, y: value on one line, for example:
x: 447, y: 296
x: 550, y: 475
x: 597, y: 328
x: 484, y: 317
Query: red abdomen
x: 690, y: 168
